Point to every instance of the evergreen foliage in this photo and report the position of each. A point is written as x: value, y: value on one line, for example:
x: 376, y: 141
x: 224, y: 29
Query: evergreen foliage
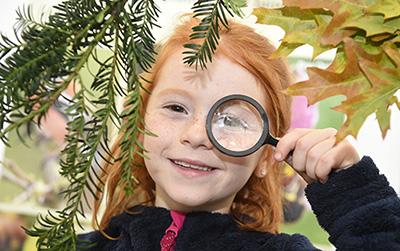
x: 47, y: 56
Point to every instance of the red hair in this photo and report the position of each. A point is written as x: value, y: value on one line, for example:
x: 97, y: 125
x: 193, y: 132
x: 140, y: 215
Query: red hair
x: 260, y: 198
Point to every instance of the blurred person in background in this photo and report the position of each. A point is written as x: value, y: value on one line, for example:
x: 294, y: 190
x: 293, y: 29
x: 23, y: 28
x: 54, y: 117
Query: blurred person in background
x: 52, y: 131
x: 12, y: 236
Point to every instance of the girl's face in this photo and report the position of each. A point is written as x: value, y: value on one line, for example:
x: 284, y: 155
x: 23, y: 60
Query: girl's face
x: 189, y: 173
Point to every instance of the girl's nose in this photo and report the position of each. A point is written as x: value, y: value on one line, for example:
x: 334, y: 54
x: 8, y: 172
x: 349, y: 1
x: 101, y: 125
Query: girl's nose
x: 195, y: 134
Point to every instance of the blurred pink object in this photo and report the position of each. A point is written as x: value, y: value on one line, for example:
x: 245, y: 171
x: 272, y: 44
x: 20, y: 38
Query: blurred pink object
x: 303, y: 116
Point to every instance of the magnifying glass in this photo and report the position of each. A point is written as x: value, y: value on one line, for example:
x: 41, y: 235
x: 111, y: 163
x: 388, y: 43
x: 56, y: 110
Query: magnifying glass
x: 237, y: 125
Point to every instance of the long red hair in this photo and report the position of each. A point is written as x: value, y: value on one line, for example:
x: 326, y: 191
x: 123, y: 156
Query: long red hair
x: 260, y: 198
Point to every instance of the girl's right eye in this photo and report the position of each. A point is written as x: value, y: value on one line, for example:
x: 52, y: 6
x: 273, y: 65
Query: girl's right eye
x: 176, y: 108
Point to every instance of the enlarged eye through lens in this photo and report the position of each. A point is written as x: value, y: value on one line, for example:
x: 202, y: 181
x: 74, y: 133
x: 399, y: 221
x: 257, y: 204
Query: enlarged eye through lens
x: 237, y: 125
x: 230, y: 121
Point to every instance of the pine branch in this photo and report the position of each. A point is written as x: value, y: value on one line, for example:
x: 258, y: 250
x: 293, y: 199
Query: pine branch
x: 127, y: 33
x: 213, y: 13
x: 77, y: 164
x: 31, y: 76
x: 140, y: 20
x: 136, y: 50
x: 56, y: 231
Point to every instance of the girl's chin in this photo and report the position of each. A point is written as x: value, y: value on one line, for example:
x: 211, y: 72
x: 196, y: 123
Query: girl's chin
x: 190, y: 205
x: 185, y: 199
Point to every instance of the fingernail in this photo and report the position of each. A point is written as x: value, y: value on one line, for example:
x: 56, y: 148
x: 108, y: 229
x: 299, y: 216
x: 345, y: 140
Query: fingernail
x: 278, y: 156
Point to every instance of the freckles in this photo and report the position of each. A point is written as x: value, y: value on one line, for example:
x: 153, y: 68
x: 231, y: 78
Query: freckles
x: 164, y: 130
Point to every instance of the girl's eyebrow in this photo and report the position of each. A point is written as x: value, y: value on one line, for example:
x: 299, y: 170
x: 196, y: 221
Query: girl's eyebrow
x: 175, y: 91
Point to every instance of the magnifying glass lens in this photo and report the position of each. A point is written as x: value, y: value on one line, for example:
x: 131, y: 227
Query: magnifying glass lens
x: 237, y: 125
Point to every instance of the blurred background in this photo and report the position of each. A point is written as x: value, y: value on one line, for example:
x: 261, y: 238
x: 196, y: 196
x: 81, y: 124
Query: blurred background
x: 29, y: 181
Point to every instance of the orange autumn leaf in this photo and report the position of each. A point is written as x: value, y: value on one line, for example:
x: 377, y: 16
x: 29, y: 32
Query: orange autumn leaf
x: 378, y: 99
x: 330, y: 82
x: 366, y: 35
x: 393, y: 52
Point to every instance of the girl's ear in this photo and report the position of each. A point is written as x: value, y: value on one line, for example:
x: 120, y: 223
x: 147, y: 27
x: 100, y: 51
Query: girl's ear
x: 261, y: 171
x: 261, y: 168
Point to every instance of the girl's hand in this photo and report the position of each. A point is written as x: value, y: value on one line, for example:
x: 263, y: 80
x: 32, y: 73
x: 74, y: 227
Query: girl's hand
x: 315, y: 154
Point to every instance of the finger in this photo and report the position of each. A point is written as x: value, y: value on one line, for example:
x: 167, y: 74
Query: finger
x: 306, y: 143
x: 288, y: 142
x: 342, y: 156
x: 350, y: 155
x: 315, y: 153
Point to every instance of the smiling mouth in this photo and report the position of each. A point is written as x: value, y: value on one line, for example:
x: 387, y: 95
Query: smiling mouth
x: 192, y: 166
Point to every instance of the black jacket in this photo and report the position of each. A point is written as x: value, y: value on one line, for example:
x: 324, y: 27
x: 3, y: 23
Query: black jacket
x: 356, y: 206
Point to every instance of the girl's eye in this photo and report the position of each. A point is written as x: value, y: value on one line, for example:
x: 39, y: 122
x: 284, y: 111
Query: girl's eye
x: 231, y: 122
x: 176, y: 108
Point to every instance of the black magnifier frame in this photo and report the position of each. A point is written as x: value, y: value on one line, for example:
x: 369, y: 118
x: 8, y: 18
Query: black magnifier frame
x: 266, y: 137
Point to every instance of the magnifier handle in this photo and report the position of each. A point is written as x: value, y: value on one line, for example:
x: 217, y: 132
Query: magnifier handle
x: 289, y: 160
x: 272, y: 141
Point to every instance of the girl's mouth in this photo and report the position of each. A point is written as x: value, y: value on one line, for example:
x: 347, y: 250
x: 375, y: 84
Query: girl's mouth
x: 201, y: 168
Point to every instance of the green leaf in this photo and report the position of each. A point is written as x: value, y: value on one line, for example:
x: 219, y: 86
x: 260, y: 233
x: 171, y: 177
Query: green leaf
x: 310, y: 37
x: 389, y: 8
x: 333, y: 81
x: 100, y: 17
x: 290, y: 19
x: 285, y: 49
x: 302, y: 27
x: 386, y: 81
x: 383, y: 117
x: 374, y: 24
x: 239, y: 3
x: 311, y: 4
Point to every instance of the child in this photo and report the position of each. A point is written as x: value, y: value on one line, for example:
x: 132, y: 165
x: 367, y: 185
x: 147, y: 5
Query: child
x: 192, y: 197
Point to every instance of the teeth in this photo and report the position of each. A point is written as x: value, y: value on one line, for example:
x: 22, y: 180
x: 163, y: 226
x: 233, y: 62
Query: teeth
x: 186, y: 165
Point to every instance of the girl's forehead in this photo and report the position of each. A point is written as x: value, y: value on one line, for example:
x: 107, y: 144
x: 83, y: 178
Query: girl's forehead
x: 221, y: 77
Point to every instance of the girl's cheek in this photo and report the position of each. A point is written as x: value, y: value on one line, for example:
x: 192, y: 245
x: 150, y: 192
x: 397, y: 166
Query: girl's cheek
x: 159, y: 124
x: 154, y: 122
x: 165, y: 128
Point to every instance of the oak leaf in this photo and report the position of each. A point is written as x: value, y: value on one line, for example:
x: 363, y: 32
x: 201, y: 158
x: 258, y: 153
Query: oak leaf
x: 389, y: 8
x: 374, y: 24
x: 332, y: 81
x: 393, y: 53
x: 378, y: 99
x: 366, y: 36
x: 304, y: 27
